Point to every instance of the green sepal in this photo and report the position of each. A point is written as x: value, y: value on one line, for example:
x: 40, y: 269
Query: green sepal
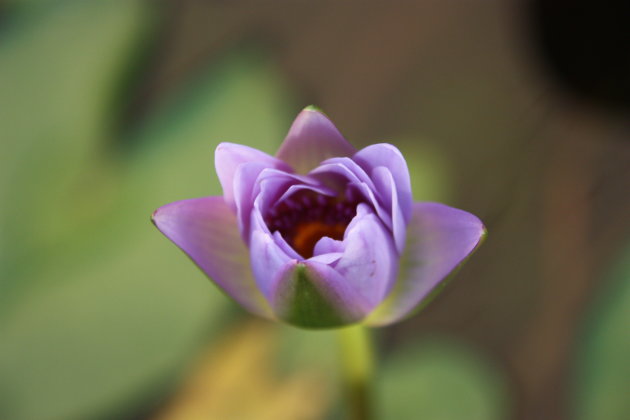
x: 313, y: 108
x: 302, y: 303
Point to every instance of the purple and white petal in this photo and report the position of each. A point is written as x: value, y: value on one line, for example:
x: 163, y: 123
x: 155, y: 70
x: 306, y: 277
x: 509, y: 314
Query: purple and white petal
x: 273, y: 186
x: 332, y: 170
x: 389, y: 156
x: 328, y: 245
x: 321, y: 190
x: 229, y: 156
x: 284, y: 246
x: 245, y: 190
x: 268, y: 260
x: 369, y: 262
x: 329, y: 258
x: 439, y: 239
x: 312, y: 139
x: 205, y: 229
x: 388, y: 195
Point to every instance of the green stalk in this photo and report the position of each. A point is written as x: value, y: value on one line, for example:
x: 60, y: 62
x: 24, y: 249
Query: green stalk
x: 357, y: 365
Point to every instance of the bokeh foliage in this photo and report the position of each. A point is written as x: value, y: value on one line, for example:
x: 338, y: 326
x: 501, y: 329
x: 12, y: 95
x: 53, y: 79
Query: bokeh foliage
x: 96, y: 307
x: 601, y: 366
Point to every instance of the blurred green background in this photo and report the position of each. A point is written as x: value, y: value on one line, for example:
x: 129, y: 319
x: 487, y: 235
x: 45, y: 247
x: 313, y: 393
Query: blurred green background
x: 110, y: 109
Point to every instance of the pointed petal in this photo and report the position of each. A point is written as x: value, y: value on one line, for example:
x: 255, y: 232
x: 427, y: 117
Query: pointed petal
x: 388, y: 195
x: 274, y: 185
x: 312, y: 139
x: 267, y: 256
x: 390, y: 157
x: 439, y: 239
x: 301, y: 187
x: 369, y: 263
x: 229, y: 156
x: 245, y: 189
x: 341, y: 168
x: 311, y: 294
x: 285, y: 247
x: 205, y: 229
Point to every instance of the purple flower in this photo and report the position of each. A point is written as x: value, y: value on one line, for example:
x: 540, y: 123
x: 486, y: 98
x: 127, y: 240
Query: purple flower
x: 321, y: 235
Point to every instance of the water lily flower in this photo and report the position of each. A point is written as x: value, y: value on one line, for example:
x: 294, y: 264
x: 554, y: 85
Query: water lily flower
x: 320, y: 235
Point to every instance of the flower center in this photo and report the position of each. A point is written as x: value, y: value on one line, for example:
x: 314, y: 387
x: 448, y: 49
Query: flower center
x: 307, y: 234
x: 305, y: 217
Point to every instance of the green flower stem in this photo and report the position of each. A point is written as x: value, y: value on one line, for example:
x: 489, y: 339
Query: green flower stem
x: 357, y: 365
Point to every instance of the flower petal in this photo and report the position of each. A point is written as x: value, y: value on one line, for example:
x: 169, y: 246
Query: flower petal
x: 329, y: 258
x: 284, y: 246
x: 245, y: 189
x: 312, y: 139
x: 341, y: 168
x: 229, y: 156
x: 273, y: 186
x: 327, y: 245
x: 301, y: 187
x: 369, y: 263
x: 267, y: 256
x: 439, y: 239
x: 311, y: 294
x: 388, y: 195
x: 390, y: 157
x: 205, y: 229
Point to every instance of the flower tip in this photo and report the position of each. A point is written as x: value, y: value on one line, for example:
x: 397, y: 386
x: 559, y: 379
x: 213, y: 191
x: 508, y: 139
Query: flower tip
x: 154, y: 216
x: 481, y: 238
x: 483, y: 234
x: 222, y: 146
x: 313, y: 108
x: 162, y: 216
x: 157, y: 217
